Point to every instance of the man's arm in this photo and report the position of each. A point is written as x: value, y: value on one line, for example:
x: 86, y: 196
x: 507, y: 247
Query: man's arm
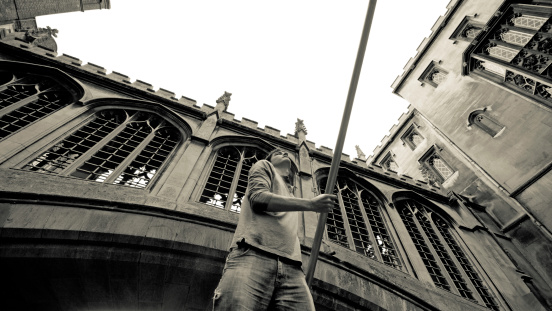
x: 321, y: 204
x: 260, y: 180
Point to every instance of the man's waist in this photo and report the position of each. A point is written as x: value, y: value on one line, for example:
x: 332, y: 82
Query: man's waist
x: 268, y: 254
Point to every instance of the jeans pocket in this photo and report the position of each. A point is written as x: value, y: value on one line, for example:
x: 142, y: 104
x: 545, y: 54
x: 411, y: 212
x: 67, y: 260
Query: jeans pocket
x: 238, y: 252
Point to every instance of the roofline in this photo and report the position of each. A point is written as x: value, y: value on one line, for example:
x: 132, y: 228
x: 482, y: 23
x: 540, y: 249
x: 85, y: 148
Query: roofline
x: 397, y: 84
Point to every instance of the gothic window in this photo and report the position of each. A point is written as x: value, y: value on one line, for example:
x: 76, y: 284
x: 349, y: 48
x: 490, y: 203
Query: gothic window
x: 388, y: 163
x: 480, y: 119
x: 118, y: 146
x: 467, y: 30
x: 227, y: 181
x: 412, y: 138
x: 25, y: 99
x: 433, y: 75
x: 517, y: 51
x: 357, y: 222
x: 433, y: 161
x: 444, y: 259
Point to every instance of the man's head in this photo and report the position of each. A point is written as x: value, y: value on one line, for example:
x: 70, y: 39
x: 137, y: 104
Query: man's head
x: 278, y: 157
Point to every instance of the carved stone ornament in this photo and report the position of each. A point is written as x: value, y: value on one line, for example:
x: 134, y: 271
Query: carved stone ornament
x: 429, y: 176
x: 225, y: 99
x: 43, y: 37
x: 360, y: 154
x: 300, y: 126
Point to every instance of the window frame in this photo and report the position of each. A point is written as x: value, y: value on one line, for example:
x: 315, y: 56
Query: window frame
x: 425, y: 77
x: 436, y: 151
x: 411, y: 131
x: 210, y: 163
x: 55, y: 88
x: 472, y: 120
x: 89, y: 117
x: 467, y: 23
x: 432, y: 213
x: 385, y: 219
x: 389, y: 157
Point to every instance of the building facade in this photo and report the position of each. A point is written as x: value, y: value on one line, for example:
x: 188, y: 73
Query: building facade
x: 479, y: 123
x: 116, y: 196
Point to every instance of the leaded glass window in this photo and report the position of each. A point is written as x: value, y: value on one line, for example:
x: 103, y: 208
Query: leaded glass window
x: 26, y: 99
x: 443, y: 258
x: 441, y: 166
x: 433, y: 161
x: 356, y: 222
x: 227, y: 181
x: 118, y: 146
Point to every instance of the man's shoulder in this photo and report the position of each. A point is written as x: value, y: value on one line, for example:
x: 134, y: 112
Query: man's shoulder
x: 262, y: 163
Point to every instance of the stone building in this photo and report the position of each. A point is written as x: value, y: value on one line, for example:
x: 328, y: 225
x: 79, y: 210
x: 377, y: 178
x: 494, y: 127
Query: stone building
x: 117, y: 196
x: 480, y: 122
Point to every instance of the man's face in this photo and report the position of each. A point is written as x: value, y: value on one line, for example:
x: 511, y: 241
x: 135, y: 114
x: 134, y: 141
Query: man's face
x: 280, y: 157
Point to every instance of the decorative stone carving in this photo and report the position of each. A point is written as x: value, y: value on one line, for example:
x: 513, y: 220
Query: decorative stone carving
x: 360, y: 154
x: 225, y: 99
x: 43, y: 37
x: 300, y: 126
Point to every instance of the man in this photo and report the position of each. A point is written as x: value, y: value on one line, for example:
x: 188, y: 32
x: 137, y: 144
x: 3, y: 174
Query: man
x: 263, y: 270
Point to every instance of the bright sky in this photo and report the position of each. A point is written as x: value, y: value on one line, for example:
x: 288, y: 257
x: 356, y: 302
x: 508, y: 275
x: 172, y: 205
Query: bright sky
x: 281, y: 60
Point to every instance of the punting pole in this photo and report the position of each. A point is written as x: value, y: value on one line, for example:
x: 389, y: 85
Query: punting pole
x: 332, y: 178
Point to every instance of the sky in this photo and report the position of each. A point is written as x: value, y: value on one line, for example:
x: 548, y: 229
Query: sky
x: 281, y: 60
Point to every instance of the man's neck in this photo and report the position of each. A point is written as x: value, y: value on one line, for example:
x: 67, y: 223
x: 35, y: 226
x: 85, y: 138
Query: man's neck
x: 283, y: 170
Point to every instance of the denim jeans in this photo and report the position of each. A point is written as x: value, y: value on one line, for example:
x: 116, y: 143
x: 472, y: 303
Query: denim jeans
x: 254, y: 280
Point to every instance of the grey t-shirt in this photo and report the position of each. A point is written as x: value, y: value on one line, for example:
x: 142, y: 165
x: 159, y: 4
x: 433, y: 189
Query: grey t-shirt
x: 273, y: 232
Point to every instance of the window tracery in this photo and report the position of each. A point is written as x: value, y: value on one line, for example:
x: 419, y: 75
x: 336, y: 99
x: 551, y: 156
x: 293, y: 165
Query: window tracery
x: 227, y: 181
x: 26, y: 99
x: 356, y: 222
x: 118, y: 146
x: 446, y: 263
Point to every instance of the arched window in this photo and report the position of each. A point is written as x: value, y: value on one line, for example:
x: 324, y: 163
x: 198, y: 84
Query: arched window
x: 486, y: 123
x: 227, y: 182
x: 25, y: 99
x: 443, y: 258
x: 118, y: 146
x: 364, y: 228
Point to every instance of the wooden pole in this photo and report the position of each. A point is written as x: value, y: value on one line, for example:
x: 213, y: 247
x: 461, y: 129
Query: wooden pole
x: 332, y: 178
